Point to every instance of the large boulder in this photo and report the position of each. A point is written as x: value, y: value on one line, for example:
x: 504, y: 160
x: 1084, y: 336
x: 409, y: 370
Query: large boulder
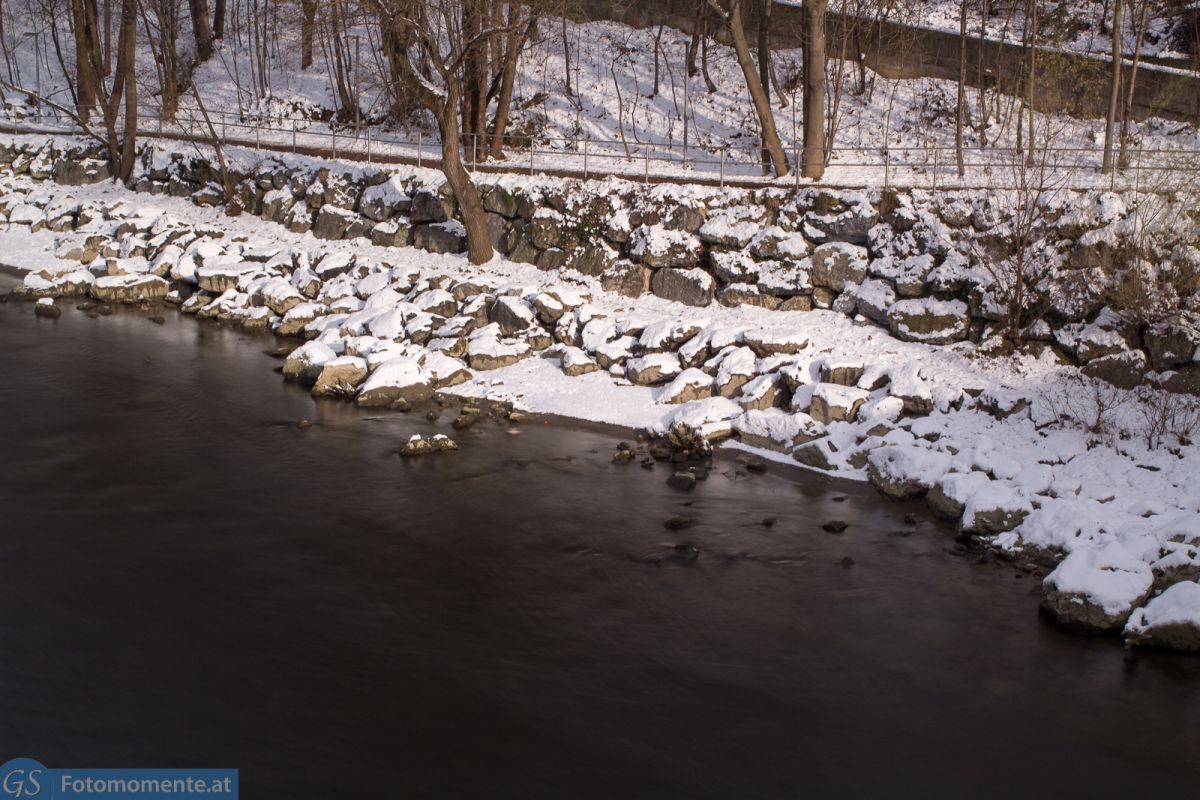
x: 340, y: 377
x: 1096, y: 588
x: 442, y: 237
x: 129, y: 288
x: 305, y: 363
x: 838, y: 265
x: 1170, y: 621
x: 396, y: 382
x: 1172, y: 342
x: 906, y: 471
x: 929, y: 320
x: 692, y: 287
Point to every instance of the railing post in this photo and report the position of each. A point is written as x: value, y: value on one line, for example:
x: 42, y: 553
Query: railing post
x: 532, y: 148
x: 722, y: 167
x: 419, y: 137
x: 257, y: 135
x: 224, y: 138
x: 646, y: 158
x: 936, y: 153
x: 293, y: 136
x: 333, y: 142
x: 796, y: 166
x: 585, y: 155
x: 368, y: 144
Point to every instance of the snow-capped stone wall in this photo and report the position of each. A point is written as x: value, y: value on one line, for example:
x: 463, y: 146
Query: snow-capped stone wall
x: 931, y: 269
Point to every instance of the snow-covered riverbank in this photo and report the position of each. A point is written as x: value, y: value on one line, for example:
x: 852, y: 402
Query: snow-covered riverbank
x: 1035, y: 460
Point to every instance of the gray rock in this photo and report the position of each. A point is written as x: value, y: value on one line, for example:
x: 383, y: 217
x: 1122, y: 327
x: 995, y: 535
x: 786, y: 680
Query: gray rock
x: 429, y: 206
x: 440, y: 238
x: 838, y: 265
x: 693, y: 287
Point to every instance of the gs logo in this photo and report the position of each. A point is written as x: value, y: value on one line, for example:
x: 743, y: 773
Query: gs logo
x: 22, y: 778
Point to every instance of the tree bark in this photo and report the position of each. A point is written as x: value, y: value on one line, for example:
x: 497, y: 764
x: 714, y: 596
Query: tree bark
x: 758, y: 93
x: 764, y: 61
x: 219, y: 20
x: 959, y: 119
x: 1127, y: 112
x: 814, y: 88
x: 308, y: 22
x: 87, y: 56
x: 1114, y: 90
x: 508, y: 79
x: 201, y: 29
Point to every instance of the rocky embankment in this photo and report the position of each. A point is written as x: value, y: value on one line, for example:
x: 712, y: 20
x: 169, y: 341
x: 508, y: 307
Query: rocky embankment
x: 1119, y: 522
x: 933, y: 268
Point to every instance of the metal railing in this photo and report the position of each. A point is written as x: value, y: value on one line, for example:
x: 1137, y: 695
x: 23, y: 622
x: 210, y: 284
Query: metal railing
x: 718, y: 163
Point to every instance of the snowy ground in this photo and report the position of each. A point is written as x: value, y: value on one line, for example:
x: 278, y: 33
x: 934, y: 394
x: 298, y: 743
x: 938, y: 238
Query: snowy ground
x: 1002, y: 443
x: 897, y: 132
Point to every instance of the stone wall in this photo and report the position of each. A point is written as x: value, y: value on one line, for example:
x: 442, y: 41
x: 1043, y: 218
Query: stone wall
x: 923, y: 267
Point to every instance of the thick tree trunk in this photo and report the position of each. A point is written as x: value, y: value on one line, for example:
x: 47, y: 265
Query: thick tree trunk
x: 87, y: 56
x: 219, y: 20
x: 814, y: 88
x: 122, y: 148
x: 308, y: 22
x: 201, y: 29
x: 758, y: 93
x: 470, y: 204
x: 1114, y: 90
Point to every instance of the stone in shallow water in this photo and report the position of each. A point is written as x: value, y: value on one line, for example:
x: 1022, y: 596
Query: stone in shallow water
x: 419, y: 445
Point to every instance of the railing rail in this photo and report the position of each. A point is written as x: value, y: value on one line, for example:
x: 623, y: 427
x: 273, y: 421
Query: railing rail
x: 710, y: 162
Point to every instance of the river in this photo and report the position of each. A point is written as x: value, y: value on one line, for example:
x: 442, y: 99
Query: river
x: 191, y: 579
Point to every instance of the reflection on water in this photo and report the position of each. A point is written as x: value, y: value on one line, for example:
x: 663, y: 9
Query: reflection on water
x: 191, y: 580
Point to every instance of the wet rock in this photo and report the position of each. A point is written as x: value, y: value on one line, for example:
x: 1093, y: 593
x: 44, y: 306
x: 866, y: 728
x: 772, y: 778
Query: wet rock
x: 834, y: 526
x: 419, y: 445
x: 46, y: 308
x: 340, y: 377
x: 814, y: 454
x: 1170, y: 621
x: 678, y: 523
x: 684, y: 480
x: 624, y: 454
x: 304, y: 364
x: 396, y: 381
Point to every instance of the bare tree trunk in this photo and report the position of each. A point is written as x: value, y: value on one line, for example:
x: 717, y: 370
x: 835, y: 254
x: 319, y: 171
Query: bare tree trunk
x: 758, y: 93
x: 764, y: 64
x: 567, y: 56
x: 1114, y: 90
x: 959, y: 119
x: 308, y: 21
x: 201, y: 29
x: 219, y: 20
x: 1127, y: 114
x: 108, y: 37
x: 694, y: 44
x: 470, y: 204
x: 124, y: 84
x: 814, y: 89
x: 708, y: 81
x: 508, y: 79
x: 1032, y: 11
x: 983, y: 111
x: 657, y: 49
x: 87, y: 56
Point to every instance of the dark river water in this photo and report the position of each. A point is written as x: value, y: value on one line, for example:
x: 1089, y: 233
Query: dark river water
x: 189, y: 579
